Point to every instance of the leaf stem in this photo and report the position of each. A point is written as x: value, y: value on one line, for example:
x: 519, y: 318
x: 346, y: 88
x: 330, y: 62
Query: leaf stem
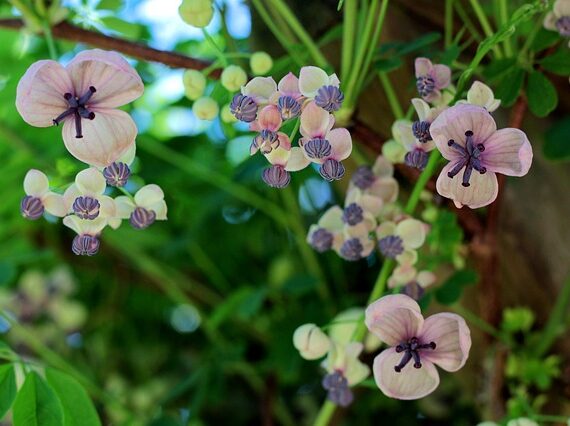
x: 348, y: 27
x: 391, y: 95
x: 448, y: 22
x: 485, y: 25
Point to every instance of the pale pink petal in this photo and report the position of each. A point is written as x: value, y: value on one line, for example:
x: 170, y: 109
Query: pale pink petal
x: 160, y: 209
x: 386, y: 188
x: 269, y: 118
x: 70, y: 194
x: 149, y: 195
x: 39, y: 97
x: 550, y: 21
x: 394, y: 318
x: 117, y: 83
x: 124, y: 206
x: 333, y: 80
x: 55, y: 204
x: 279, y: 156
x: 260, y: 89
x: 289, y: 85
x: 434, y: 96
x: 455, y: 121
x: 382, y: 167
x: 332, y: 219
x: 422, y: 109
x: 423, y: 66
x: 507, y: 151
x: 108, y: 208
x: 105, y: 138
x: 482, y: 191
x: 410, y: 383
x: 84, y: 226
x: 129, y: 156
x: 561, y: 8
x: 425, y: 278
x: 297, y: 160
x: 452, y: 338
x: 311, y: 79
x: 341, y: 143
x: 441, y: 75
x: 315, y: 121
x: 35, y: 183
x: 90, y: 181
x: 412, y: 232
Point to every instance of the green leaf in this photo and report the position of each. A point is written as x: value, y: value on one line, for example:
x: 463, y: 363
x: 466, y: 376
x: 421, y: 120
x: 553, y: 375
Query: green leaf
x: 544, y: 39
x: 7, y: 388
x: 510, y: 86
x: 558, y: 63
x: 78, y: 409
x: 450, y: 291
x: 541, y: 93
x: 499, y: 68
x: 388, y: 64
x: 450, y: 55
x: 37, y: 404
x: 557, y: 141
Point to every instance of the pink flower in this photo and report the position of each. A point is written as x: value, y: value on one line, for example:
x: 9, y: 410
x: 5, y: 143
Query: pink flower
x: 467, y: 136
x: 283, y: 159
x: 267, y: 124
x: 288, y: 98
x: 407, y: 370
x: 83, y: 96
x: 430, y: 79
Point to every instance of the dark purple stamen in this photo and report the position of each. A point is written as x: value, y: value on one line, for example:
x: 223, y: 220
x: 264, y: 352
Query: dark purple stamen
x: 142, y: 218
x: 117, y: 174
x: 363, y: 177
x: 321, y: 240
x: 77, y: 108
x: 417, y: 158
x: 411, y: 350
x: 288, y: 107
x: 391, y: 246
x: 276, y: 176
x: 425, y: 85
x: 317, y: 148
x: 243, y: 108
x: 86, y: 207
x: 563, y: 26
x: 470, y: 158
x: 332, y: 170
x: 265, y: 141
x: 329, y: 98
x: 353, y: 214
x: 31, y: 207
x: 351, y: 249
x: 421, y: 131
x: 338, y: 390
x: 85, y: 245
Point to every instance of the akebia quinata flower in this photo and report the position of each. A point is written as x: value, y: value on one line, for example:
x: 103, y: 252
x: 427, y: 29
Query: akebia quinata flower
x: 406, y: 370
x: 559, y: 18
x: 314, y: 83
x: 148, y: 205
x: 467, y: 136
x: 86, y: 242
x: 83, y: 97
x: 431, y: 79
x: 39, y: 198
x: 86, y: 198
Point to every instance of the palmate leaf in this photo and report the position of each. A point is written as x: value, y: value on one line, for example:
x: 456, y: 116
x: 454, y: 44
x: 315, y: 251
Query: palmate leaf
x: 541, y: 93
x: 7, y: 388
x: 37, y: 404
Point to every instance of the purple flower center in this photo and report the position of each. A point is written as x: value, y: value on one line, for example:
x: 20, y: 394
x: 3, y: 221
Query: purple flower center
x: 391, y: 246
x: 351, y: 249
x: 288, y: 107
x: 31, y: 207
x: 266, y: 141
x: 417, y: 158
x: 363, y: 177
x: 276, y: 176
x: 353, y: 214
x: 85, y: 245
x: 318, y: 148
x: 117, y: 174
x: 329, y: 98
x: 322, y: 240
x: 142, y: 218
x: 243, y: 108
x: 332, y: 170
x: 412, y: 349
x: 470, y: 158
x: 421, y: 131
x: 86, y: 207
x: 77, y: 108
x: 563, y: 25
x: 425, y: 85
x: 338, y: 390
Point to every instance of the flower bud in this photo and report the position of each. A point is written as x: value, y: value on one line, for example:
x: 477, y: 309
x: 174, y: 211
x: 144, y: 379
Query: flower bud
x: 260, y: 63
x: 227, y: 116
x: 393, y: 151
x: 197, y: 13
x: 233, y: 77
x: 205, y: 108
x: 194, y: 84
x: 311, y: 342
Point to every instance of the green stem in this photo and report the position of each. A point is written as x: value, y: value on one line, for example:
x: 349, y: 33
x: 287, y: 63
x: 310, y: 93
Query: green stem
x: 391, y: 95
x: 348, y: 27
x: 556, y: 321
x: 448, y: 22
x: 422, y: 181
x: 50, y: 42
x: 485, y: 25
x: 219, y: 52
x: 325, y: 414
x: 530, y: 38
x: 503, y: 19
x: 467, y: 21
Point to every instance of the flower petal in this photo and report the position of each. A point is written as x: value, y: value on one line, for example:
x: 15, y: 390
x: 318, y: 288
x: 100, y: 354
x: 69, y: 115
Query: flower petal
x: 341, y: 143
x: 149, y: 195
x: 422, y: 109
x: 455, y: 121
x: 315, y: 121
x: 403, y: 133
x: 39, y: 97
x: 55, y: 204
x: 410, y: 383
x: 482, y: 191
x: 425, y: 278
x: 412, y: 232
x: 332, y: 219
x: 108, y: 207
x: 394, y: 318
x: 35, y: 183
x: 269, y: 118
x: 260, y: 89
x: 297, y: 160
x: 116, y: 81
x: 160, y: 209
x: 386, y: 188
x: 452, y: 338
x: 382, y: 167
x: 550, y: 21
x: 90, y: 181
x: 105, y: 138
x: 278, y: 156
x: 84, y: 226
x: 442, y: 76
x: 423, y: 66
x: 289, y: 85
x: 311, y: 79
x: 480, y: 94
x: 124, y: 206
x: 561, y: 8
x: 508, y: 151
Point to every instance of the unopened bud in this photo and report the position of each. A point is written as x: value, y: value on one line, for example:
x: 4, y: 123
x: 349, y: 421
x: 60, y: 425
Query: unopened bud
x: 311, y: 342
x: 197, y: 13
x: 233, y: 77
x: 205, y: 108
x: 260, y: 63
x: 194, y: 84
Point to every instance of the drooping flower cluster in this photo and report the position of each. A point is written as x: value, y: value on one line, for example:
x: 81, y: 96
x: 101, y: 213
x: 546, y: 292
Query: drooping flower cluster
x: 312, y: 98
x: 83, y: 97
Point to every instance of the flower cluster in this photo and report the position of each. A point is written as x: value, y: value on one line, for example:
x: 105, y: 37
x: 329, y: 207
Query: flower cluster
x: 558, y: 19
x: 83, y: 97
x: 310, y: 100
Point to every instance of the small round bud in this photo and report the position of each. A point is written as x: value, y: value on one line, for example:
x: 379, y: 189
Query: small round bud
x: 205, y: 108
x: 31, y: 207
x: 194, y: 84
x: 393, y: 151
x: 311, y: 342
x: 142, y: 218
x: 260, y: 63
x: 85, y: 245
x: 226, y: 115
x: 233, y: 77
x: 197, y: 13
